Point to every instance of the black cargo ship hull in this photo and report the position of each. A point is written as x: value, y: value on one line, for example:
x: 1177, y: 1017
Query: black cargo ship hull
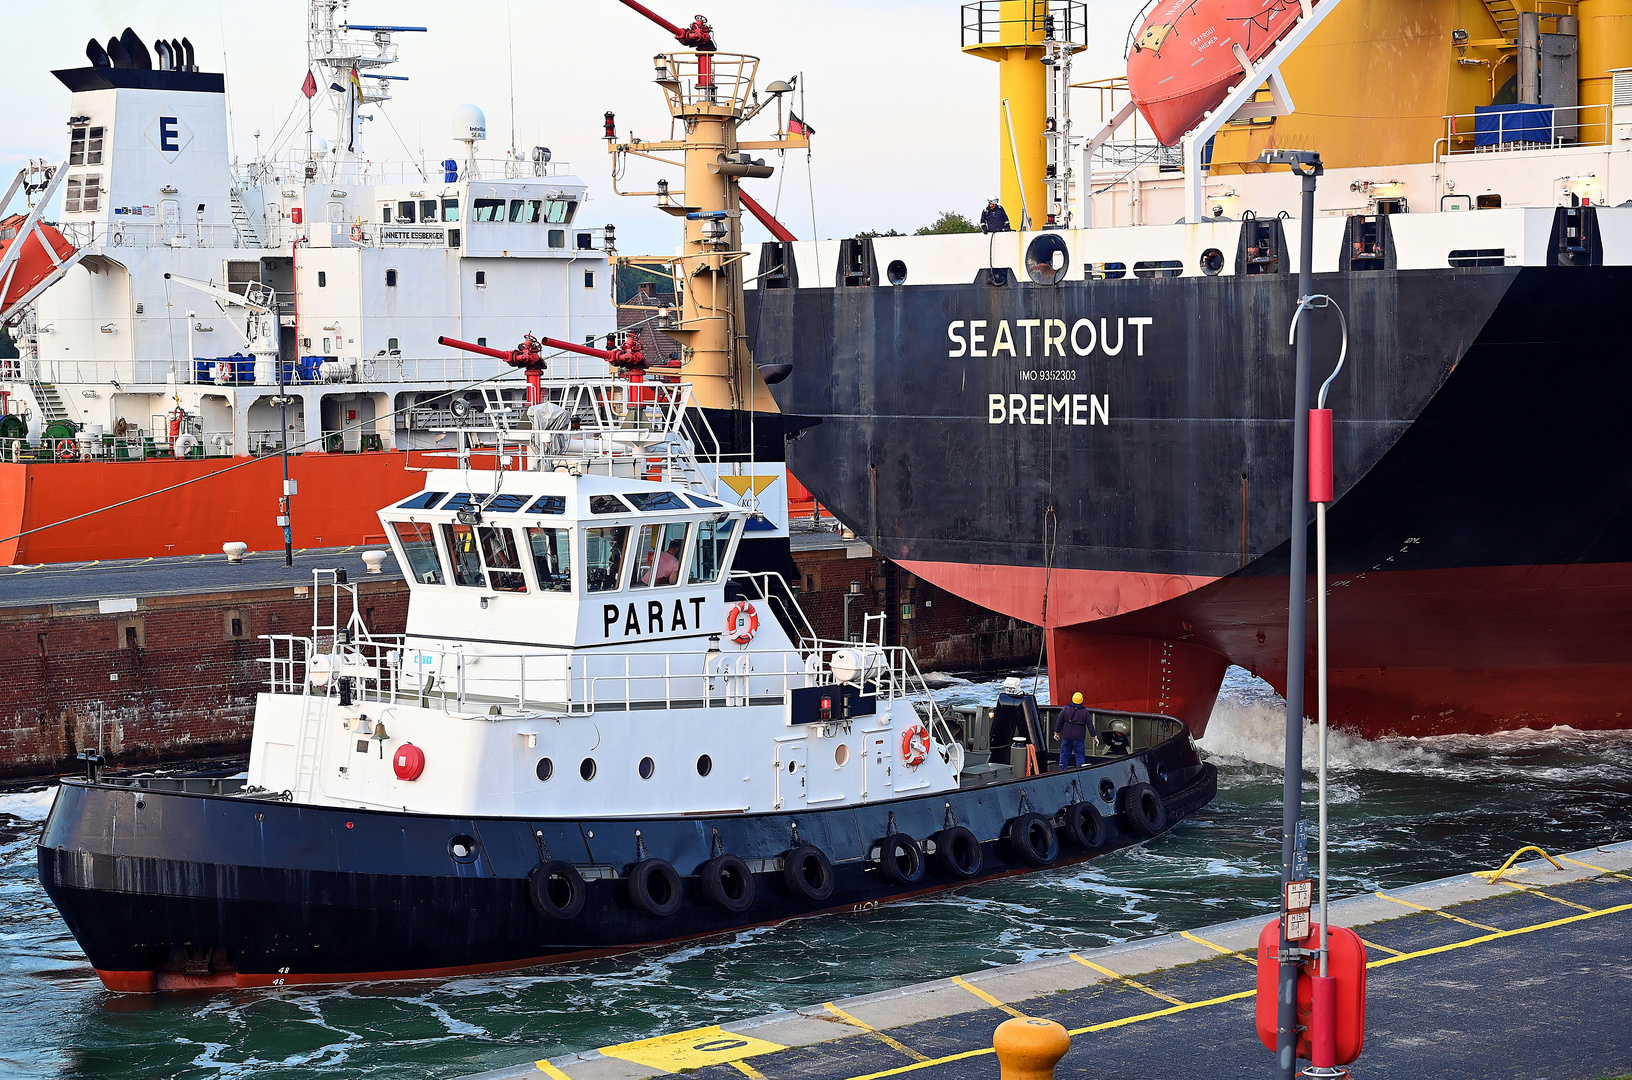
x: 166, y: 888
x: 1480, y: 544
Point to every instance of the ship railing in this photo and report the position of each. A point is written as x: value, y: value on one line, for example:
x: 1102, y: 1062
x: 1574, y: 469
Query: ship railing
x: 772, y: 589
x: 1523, y: 127
x: 283, y: 172
x: 983, y: 22
x: 207, y: 371
x: 727, y: 81
x: 150, y: 234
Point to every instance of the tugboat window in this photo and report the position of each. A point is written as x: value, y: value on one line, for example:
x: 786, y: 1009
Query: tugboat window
x: 558, y: 238
x: 549, y: 504
x: 535, y: 211
x: 425, y: 500
x: 586, y: 768
x: 713, y: 537
x: 603, y: 557
x: 647, y: 768
x: 391, y: 282
x: 503, y: 560
x: 607, y: 504
x: 552, y: 558
x: 419, y: 549
x: 657, y: 500
x: 487, y: 210
x: 705, y: 765
x: 561, y: 211
x: 660, y: 554
x: 467, y: 564
x: 545, y: 770
x: 405, y: 212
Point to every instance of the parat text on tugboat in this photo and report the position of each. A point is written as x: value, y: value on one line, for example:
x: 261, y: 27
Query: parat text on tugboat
x: 594, y: 736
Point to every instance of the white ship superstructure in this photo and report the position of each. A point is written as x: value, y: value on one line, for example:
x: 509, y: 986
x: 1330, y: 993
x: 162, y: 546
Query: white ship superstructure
x: 355, y: 267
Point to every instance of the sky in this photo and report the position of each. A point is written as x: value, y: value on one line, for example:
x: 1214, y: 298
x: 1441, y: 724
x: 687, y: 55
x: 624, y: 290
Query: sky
x: 906, y: 125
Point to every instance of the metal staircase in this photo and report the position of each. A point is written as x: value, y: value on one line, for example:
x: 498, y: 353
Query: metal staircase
x: 247, y: 236
x: 1506, y: 15
x: 51, y: 407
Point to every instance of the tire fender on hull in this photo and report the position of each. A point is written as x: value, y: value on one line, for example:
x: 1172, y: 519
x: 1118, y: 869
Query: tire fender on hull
x: 727, y: 883
x: 958, y: 853
x: 1032, y: 840
x: 808, y: 872
x: 557, y: 889
x: 900, y: 859
x: 1143, y: 810
x: 654, y: 887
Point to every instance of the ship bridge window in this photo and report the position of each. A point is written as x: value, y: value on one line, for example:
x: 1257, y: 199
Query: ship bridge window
x: 85, y: 146
x: 518, y: 210
x: 82, y: 193
x: 552, y: 558
x: 558, y: 238
x: 699, y: 501
x: 607, y: 504
x: 603, y: 557
x: 1158, y: 268
x: 535, y: 211
x: 467, y: 563
x: 405, y: 212
x: 425, y: 500
x: 501, y: 504
x: 656, y: 500
x: 487, y: 210
x: 660, y: 554
x: 708, y: 558
x: 561, y: 211
x: 427, y: 210
x: 549, y: 504
x: 450, y: 209
x: 503, y: 559
x: 419, y: 550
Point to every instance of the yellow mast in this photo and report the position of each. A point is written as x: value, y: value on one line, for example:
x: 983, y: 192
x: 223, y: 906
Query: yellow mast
x: 710, y: 95
x: 1016, y: 44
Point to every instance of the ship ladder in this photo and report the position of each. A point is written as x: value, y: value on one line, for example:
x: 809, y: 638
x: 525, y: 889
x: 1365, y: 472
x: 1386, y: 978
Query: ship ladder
x: 313, y: 708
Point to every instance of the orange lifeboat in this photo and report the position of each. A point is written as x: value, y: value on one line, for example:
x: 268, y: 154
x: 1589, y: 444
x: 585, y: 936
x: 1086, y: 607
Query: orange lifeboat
x: 1183, y: 63
x: 34, y: 263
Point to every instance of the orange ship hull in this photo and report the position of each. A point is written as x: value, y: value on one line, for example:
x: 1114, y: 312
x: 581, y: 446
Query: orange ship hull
x: 233, y: 499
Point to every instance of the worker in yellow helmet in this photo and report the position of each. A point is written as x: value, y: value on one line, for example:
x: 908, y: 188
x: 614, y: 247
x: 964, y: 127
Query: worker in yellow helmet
x: 1075, y: 723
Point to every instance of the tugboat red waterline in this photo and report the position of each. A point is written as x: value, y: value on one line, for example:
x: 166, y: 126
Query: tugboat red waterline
x: 595, y: 735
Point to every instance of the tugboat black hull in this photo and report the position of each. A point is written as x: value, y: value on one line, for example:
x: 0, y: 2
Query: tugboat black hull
x: 169, y: 888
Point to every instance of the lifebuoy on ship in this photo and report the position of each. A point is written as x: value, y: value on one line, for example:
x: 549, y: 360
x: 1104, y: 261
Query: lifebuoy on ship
x: 67, y: 450
x: 741, y: 622
x: 915, y: 745
x: 356, y: 234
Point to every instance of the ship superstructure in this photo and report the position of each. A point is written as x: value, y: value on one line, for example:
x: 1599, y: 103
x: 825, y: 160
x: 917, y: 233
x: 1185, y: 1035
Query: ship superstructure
x: 345, y: 271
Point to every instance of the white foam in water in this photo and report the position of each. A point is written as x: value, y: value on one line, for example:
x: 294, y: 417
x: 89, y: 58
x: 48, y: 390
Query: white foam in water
x: 29, y: 805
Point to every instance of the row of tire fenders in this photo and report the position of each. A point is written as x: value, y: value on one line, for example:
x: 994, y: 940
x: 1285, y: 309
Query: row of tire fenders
x: 558, y: 890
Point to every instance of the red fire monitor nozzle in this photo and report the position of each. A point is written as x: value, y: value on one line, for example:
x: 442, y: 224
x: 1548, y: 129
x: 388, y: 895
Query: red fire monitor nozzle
x: 627, y: 357
x: 699, y: 35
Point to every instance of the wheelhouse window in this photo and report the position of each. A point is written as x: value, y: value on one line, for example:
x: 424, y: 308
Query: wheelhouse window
x: 657, y: 500
x: 427, y: 210
x: 558, y: 238
x: 518, y: 210
x: 603, y: 557
x: 561, y: 211
x: 487, y: 210
x: 552, y: 558
x: 549, y: 504
x: 535, y: 211
x: 419, y: 550
x: 425, y: 500
x: 708, y: 558
x: 405, y: 212
x: 607, y: 504
x: 450, y: 209
x: 660, y: 554
x: 463, y: 556
x: 503, y: 559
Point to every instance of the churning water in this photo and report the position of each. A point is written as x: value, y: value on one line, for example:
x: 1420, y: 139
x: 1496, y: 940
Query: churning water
x: 1402, y: 811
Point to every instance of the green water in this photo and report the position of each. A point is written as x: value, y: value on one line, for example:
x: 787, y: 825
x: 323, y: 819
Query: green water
x: 1403, y: 811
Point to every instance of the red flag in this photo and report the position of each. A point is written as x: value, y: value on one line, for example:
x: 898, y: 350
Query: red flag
x: 309, y: 87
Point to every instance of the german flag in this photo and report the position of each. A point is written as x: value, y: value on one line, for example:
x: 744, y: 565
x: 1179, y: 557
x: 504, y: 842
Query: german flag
x: 797, y: 126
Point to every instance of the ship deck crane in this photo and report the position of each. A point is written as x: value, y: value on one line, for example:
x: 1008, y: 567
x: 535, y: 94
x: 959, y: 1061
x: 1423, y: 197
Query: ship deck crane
x: 260, y: 333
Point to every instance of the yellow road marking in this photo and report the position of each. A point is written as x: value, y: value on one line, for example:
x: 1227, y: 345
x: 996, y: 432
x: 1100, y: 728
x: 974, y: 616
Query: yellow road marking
x: 988, y: 998
x: 550, y: 1070
x: 1125, y: 979
x: 747, y: 1070
x: 1600, y: 869
x: 1546, y: 896
x: 874, y: 1032
x: 1253, y: 960
x: 1499, y: 934
x: 1436, y: 911
x: 1380, y: 948
x: 691, y: 1049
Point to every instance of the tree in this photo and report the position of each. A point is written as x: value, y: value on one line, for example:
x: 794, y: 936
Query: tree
x: 950, y: 221
x: 873, y: 234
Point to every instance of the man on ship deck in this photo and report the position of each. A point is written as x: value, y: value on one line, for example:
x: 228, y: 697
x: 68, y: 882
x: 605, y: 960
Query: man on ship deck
x: 1075, y: 724
x: 994, y: 218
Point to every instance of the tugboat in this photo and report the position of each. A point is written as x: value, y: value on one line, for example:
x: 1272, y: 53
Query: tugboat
x: 595, y: 735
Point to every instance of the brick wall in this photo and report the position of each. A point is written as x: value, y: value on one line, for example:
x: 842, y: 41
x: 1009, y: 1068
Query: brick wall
x: 944, y: 632
x: 175, y: 679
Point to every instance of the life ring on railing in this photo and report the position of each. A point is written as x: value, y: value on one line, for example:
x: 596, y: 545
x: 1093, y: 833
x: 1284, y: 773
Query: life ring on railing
x: 356, y: 234
x: 67, y: 450
x: 741, y: 622
x: 915, y: 745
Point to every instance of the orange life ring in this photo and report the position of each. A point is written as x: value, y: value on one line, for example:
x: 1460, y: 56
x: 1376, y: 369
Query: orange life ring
x: 741, y: 622
x: 356, y: 234
x: 67, y: 450
x: 915, y: 745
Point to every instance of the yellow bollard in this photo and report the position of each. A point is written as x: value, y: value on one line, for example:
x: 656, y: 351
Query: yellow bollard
x: 1028, y: 1048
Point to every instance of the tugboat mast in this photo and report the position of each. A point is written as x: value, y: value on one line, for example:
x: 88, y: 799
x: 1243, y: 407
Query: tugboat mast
x: 711, y: 94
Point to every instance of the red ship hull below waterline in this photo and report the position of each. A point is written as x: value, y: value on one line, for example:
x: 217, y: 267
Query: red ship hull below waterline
x: 1415, y: 652
x: 222, y: 500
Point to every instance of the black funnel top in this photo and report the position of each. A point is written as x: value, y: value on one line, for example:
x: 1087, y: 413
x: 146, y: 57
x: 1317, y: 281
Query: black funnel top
x: 137, y: 52
x: 96, y: 54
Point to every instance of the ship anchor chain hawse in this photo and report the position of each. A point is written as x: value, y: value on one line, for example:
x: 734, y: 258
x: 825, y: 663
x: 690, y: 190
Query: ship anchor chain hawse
x: 602, y: 729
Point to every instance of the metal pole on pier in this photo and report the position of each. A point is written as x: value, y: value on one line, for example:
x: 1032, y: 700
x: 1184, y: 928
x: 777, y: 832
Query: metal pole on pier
x: 1307, y: 165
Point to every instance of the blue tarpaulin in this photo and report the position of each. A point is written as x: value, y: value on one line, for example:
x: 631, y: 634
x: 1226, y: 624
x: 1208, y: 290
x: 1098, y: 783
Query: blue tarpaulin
x: 1494, y: 125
